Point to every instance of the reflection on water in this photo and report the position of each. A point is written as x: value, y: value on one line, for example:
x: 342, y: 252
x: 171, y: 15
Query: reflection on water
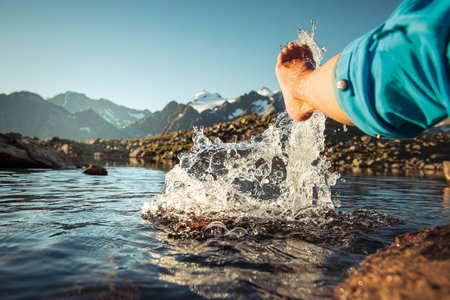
x: 66, y: 234
x: 164, y: 165
x: 233, y: 269
x: 446, y: 197
x: 429, y: 174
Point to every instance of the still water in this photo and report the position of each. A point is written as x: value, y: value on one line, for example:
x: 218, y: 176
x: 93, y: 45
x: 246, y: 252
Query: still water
x: 64, y: 234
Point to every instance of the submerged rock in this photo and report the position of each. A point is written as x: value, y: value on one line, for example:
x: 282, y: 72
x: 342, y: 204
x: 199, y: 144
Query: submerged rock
x: 17, y: 151
x: 95, y: 170
x: 415, y: 266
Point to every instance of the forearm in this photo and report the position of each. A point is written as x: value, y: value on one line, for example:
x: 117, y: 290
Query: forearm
x: 317, y: 88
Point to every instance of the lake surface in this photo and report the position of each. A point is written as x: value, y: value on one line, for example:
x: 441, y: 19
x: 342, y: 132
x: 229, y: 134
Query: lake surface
x: 64, y: 234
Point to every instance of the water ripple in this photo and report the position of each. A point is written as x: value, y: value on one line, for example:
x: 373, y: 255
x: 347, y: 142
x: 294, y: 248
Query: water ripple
x: 65, y: 234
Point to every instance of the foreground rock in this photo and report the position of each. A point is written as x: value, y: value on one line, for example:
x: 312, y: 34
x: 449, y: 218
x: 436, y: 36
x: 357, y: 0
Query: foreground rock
x: 95, y: 170
x: 17, y: 151
x: 415, y: 266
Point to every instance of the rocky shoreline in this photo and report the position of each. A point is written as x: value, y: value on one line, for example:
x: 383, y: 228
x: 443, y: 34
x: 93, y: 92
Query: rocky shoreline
x: 346, y: 148
x: 415, y: 266
x: 18, y: 152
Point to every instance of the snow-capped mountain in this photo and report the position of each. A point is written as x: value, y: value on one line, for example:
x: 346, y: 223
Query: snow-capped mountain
x: 264, y: 91
x: 206, y: 109
x: 75, y: 116
x: 117, y: 115
x: 31, y: 115
x: 204, y: 100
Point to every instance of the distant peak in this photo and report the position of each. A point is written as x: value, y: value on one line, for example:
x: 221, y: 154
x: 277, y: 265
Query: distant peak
x: 74, y: 93
x: 204, y: 95
x: 264, y: 91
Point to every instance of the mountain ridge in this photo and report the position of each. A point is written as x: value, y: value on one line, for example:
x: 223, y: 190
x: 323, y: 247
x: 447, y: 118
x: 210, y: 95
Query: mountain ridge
x: 118, y: 115
x: 75, y: 116
x: 29, y: 114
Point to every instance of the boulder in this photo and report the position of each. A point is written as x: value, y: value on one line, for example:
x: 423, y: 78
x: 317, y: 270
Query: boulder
x: 18, y: 152
x: 136, y: 153
x: 148, y: 156
x: 415, y: 266
x: 95, y: 170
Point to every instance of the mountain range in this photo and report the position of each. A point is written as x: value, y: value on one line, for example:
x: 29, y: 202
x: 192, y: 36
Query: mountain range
x: 75, y: 116
x: 117, y: 115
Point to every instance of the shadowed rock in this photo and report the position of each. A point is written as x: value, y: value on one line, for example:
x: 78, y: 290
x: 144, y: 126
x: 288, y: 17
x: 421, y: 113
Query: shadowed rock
x: 95, y: 170
x: 415, y: 266
x: 17, y: 151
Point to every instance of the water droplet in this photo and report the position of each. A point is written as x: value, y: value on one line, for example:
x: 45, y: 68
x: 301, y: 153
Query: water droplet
x: 313, y: 27
x: 215, y: 228
x: 237, y: 232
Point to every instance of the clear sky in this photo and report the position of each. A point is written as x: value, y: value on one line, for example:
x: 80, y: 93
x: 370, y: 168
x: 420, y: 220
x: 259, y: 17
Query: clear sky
x: 143, y: 54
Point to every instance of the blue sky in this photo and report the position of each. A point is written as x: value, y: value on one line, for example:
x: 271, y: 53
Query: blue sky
x: 143, y: 54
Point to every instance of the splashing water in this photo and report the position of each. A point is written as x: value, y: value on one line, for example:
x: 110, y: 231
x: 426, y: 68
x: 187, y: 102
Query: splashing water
x: 313, y: 27
x: 307, y: 38
x: 276, y: 175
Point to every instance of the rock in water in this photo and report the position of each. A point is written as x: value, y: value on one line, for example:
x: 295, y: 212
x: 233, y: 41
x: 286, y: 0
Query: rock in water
x: 18, y: 152
x: 95, y: 170
x: 415, y: 266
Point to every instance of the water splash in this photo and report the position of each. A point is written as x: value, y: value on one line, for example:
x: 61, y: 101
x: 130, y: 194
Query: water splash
x: 313, y: 27
x: 307, y: 38
x: 276, y: 175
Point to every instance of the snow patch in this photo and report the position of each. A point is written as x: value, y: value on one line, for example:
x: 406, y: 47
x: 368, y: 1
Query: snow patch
x: 204, y: 100
x: 66, y: 98
x: 237, y: 113
x: 260, y: 107
x: 265, y: 92
x: 109, y: 116
x: 204, y: 95
x: 209, y: 105
x: 136, y: 116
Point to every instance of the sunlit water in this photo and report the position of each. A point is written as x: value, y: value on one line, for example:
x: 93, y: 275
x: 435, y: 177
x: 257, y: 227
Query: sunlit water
x: 64, y: 234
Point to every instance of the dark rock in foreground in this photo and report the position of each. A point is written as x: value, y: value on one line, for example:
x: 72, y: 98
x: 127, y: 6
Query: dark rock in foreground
x: 95, y: 170
x: 415, y: 266
x: 17, y: 151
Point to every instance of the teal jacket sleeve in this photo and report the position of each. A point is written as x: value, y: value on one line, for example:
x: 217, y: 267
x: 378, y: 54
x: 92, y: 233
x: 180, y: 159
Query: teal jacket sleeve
x: 394, y: 81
